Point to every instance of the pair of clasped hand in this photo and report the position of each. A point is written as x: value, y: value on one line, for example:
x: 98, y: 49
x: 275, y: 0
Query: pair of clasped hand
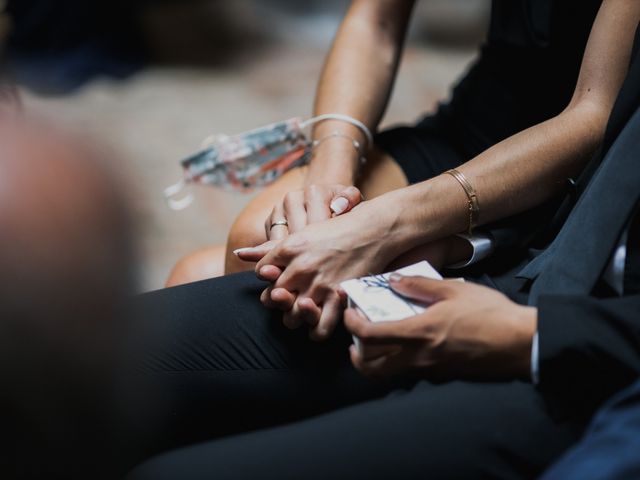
x: 316, y: 239
x: 323, y: 235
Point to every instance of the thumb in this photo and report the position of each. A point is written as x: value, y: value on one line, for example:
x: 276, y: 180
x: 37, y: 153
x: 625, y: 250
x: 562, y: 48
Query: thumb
x: 427, y: 290
x: 345, y: 200
x: 255, y: 254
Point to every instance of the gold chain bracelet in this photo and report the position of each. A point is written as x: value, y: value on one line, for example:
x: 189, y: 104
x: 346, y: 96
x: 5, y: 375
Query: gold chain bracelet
x: 472, y: 197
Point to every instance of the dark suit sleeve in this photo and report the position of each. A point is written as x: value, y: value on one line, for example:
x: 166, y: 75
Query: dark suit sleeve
x: 589, y: 348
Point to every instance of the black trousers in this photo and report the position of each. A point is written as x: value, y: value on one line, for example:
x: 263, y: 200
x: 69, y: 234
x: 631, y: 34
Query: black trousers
x: 256, y: 400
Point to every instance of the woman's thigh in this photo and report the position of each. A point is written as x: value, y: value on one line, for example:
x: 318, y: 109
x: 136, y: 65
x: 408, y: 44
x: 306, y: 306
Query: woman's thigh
x: 453, y: 430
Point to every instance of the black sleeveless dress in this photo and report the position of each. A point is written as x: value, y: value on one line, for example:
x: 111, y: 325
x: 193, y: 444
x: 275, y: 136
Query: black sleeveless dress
x: 525, y: 73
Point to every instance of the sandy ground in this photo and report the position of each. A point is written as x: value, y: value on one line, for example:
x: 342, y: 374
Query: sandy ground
x: 160, y: 115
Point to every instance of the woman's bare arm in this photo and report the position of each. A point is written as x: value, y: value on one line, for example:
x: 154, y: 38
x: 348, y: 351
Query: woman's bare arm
x: 356, y: 80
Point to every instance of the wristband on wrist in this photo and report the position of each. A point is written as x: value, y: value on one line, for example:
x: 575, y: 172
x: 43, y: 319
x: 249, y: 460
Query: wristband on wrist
x: 342, y: 118
x: 472, y: 198
x: 354, y: 142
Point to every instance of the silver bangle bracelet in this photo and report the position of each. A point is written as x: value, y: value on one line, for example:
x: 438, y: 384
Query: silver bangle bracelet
x: 342, y: 118
x: 354, y: 142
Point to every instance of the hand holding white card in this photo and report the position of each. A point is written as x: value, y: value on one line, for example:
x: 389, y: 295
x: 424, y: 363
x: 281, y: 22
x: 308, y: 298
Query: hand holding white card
x: 373, y: 297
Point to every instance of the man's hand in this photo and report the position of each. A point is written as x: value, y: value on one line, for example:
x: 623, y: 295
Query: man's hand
x: 468, y: 331
x: 315, y: 203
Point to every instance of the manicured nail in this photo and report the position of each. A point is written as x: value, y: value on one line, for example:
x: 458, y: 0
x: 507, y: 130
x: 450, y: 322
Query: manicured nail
x: 395, y: 277
x: 241, y: 250
x: 339, y: 205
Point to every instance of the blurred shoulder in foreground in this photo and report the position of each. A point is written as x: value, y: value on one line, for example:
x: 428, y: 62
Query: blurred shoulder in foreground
x: 66, y: 264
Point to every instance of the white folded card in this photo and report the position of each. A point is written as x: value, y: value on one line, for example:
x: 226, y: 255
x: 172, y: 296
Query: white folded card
x: 378, y: 302
x: 375, y: 299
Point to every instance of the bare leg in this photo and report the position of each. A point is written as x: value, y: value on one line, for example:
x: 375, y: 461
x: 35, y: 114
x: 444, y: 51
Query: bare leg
x: 201, y: 264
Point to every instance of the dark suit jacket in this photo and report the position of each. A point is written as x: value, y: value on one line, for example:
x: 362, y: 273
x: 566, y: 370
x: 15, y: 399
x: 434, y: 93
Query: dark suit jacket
x: 611, y: 446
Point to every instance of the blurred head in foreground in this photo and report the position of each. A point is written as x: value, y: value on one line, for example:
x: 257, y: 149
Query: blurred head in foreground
x: 65, y: 267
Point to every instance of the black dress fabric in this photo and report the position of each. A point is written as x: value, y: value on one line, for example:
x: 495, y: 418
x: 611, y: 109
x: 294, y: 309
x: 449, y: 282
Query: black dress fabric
x: 525, y: 73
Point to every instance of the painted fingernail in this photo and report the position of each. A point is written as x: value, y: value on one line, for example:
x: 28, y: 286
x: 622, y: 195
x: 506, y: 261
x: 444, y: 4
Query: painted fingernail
x: 339, y: 205
x: 242, y: 250
x: 395, y: 277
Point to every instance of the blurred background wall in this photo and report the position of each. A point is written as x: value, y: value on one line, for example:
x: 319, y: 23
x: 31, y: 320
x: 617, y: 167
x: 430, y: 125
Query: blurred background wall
x: 153, y: 78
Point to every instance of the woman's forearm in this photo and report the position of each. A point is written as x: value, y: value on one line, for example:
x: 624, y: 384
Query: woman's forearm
x: 513, y: 176
x: 356, y: 80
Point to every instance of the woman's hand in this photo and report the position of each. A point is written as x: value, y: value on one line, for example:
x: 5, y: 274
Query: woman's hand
x: 313, y: 204
x: 468, y: 331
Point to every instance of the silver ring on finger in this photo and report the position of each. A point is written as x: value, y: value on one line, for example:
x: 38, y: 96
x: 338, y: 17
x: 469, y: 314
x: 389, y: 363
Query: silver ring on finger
x: 283, y: 223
